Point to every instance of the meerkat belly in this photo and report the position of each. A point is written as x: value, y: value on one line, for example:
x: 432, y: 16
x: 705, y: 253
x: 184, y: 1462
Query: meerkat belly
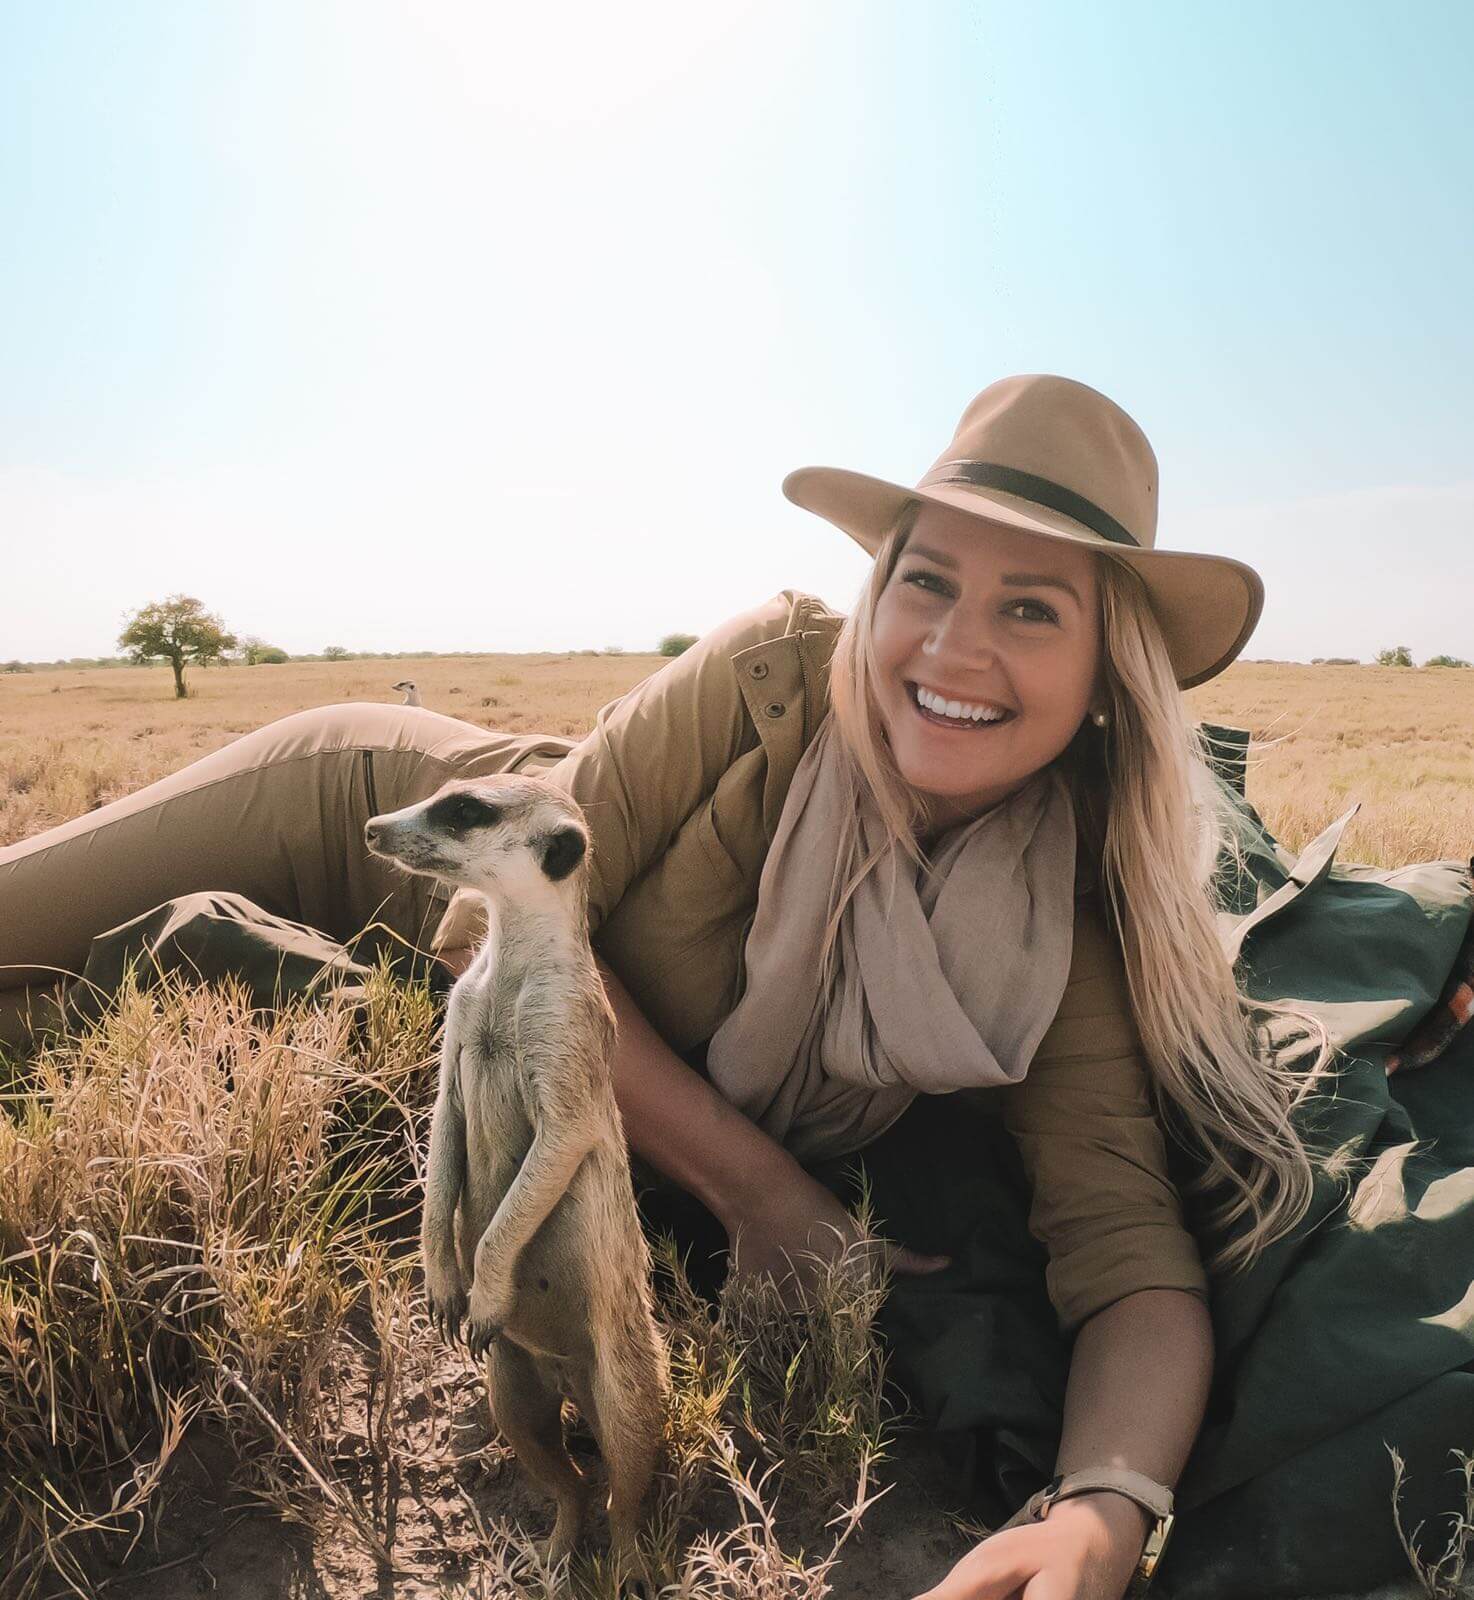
x: 586, y: 1258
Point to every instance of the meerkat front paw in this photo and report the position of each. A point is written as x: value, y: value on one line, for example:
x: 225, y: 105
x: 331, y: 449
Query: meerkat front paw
x: 480, y: 1336
x: 488, y: 1311
x: 447, y: 1302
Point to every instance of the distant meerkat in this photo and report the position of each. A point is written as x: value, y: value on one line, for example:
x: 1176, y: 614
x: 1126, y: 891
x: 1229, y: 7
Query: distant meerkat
x: 530, y: 1231
x: 410, y: 692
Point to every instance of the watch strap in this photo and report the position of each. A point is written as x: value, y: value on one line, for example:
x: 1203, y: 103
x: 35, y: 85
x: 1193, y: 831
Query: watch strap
x: 1154, y: 1498
x: 1151, y: 1496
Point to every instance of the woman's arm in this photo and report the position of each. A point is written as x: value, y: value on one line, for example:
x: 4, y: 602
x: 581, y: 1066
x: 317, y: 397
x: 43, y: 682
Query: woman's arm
x: 1137, y: 1391
x: 776, y: 1215
x: 1138, y: 1386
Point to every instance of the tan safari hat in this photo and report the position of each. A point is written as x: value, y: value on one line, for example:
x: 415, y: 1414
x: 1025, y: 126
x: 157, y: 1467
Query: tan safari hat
x: 1053, y: 457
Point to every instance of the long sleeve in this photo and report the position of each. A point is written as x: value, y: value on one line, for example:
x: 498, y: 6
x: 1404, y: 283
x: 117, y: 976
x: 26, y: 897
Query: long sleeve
x: 1103, y: 1203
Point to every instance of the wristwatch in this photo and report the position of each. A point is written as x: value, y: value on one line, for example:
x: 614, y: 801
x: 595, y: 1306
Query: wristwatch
x: 1152, y: 1497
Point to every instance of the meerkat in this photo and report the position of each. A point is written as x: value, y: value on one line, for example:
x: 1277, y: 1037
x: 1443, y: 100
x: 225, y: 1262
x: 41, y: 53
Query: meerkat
x: 530, y: 1234
x: 410, y: 692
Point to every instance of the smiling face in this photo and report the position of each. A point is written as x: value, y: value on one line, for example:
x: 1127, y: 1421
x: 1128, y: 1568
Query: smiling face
x: 1000, y: 623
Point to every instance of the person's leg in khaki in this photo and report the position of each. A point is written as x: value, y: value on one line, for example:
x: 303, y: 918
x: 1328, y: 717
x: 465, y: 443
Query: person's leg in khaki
x: 276, y: 815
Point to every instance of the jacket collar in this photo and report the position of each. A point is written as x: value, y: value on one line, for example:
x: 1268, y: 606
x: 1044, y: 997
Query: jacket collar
x: 785, y: 686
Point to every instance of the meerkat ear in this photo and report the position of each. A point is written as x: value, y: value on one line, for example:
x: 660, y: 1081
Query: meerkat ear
x: 561, y: 852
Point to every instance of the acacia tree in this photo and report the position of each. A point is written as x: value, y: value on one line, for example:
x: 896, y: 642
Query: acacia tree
x: 177, y: 630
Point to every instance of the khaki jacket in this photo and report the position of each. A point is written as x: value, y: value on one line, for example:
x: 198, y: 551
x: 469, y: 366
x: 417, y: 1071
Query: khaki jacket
x: 682, y: 781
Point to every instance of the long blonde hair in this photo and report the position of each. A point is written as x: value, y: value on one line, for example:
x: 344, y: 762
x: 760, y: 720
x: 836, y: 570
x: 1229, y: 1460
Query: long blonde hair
x: 1154, y: 820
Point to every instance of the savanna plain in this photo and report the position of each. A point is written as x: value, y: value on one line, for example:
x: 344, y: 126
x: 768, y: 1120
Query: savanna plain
x: 215, y: 1370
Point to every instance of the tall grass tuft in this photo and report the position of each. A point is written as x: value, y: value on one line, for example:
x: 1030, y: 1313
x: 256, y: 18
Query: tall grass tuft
x: 1445, y: 1578
x: 811, y: 1399
x: 187, y: 1198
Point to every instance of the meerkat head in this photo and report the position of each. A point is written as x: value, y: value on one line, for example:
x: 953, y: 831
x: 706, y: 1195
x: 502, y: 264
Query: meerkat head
x: 513, y: 837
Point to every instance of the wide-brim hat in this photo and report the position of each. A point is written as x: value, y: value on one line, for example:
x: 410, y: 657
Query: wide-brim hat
x: 1048, y: 456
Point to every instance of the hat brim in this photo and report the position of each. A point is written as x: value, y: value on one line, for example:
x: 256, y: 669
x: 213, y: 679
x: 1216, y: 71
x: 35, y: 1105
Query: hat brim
x: 1206, y: 606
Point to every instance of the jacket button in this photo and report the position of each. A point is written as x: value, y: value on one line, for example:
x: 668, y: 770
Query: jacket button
x: 775, y: 708
x: 759, y: 669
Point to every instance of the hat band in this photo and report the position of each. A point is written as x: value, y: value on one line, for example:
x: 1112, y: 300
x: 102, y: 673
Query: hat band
x: 1044, y: 492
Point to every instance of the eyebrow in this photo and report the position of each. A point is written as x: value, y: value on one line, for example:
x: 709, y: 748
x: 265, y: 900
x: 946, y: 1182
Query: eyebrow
x: 1043, y: 580
x: 1023, y: 580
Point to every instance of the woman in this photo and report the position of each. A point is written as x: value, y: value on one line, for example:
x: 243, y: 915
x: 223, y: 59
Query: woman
x: 988, y: 875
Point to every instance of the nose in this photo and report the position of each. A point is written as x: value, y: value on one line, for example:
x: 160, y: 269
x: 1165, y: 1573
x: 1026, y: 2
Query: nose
x: 371, y: 832
x: 961, y: 642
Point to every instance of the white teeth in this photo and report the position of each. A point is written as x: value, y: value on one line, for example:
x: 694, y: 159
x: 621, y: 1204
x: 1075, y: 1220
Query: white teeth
x: 957, y: 708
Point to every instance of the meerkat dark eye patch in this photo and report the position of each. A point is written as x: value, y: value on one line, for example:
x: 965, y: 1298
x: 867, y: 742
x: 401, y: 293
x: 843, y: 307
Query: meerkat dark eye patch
x: 561, y: 852
x: 458, y: 813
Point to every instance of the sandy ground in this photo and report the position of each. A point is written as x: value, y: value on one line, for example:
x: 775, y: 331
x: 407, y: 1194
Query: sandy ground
x: 212, y: 1543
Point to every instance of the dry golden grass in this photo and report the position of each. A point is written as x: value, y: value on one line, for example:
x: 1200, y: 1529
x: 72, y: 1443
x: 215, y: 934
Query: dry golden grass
x: 188, y: 1196
x: 1400, y: 740
x: 71, y: 741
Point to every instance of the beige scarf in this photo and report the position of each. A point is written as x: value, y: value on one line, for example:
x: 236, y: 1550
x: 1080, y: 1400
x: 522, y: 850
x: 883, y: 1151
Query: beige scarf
x: 951, y: 985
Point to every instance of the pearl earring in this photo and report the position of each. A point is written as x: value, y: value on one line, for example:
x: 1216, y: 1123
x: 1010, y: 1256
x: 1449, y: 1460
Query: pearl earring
x: 1099, y: 718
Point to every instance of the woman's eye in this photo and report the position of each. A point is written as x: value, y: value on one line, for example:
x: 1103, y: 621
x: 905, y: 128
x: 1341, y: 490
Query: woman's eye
x: 1039, y: 611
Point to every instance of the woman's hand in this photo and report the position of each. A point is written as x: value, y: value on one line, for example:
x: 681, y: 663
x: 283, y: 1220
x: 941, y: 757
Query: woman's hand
x: 791, y: 1226
x: 1086, y: 1548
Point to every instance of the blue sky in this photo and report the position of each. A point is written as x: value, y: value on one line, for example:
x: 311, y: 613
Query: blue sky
x: 458, y: 327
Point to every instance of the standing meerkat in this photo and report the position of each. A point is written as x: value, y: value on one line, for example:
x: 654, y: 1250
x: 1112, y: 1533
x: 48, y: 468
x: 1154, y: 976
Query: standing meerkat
x: 530, y: 1233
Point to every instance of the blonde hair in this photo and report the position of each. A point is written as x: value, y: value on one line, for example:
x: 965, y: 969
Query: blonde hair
x: 1154, y: 822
